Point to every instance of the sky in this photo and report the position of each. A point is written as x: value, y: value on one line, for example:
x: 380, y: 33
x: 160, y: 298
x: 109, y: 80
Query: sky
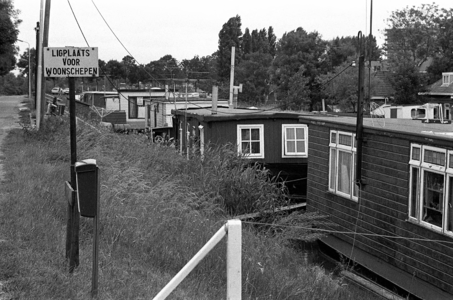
x: 151, y: 29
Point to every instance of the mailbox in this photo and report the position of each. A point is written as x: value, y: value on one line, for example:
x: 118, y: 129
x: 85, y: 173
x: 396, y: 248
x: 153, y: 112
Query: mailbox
x: 87, y: 187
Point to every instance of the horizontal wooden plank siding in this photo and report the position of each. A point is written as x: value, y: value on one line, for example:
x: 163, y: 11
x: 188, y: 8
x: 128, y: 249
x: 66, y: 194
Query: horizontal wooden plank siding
x: 382, y: 209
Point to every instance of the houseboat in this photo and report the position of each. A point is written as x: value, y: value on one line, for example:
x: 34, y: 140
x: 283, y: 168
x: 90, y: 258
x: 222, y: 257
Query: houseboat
x: 275, y: 139
x: 398, y: 222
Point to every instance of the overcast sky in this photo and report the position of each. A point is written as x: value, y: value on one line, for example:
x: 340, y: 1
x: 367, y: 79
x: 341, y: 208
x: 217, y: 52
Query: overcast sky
x: 152, y: 29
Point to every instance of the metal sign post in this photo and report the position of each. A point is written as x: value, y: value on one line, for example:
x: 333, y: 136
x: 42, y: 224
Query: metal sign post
x: 73, y: 62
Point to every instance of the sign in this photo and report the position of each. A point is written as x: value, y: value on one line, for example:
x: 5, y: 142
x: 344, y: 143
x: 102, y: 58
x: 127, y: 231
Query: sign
x: 71, y: 62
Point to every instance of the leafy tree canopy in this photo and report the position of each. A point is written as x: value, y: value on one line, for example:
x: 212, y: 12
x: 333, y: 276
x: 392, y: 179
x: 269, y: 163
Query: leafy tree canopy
x: 229, y: 36
x: 8, y: 36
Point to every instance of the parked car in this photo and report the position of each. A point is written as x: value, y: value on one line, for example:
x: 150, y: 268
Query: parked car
x: 56, y: 90
x: 66, y: 91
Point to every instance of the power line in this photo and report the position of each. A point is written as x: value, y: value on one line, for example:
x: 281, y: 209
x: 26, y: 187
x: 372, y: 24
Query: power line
x: 78, y: 23
x: 105, y: 21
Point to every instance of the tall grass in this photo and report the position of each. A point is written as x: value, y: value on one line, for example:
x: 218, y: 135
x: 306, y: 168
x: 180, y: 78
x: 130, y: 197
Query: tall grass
x: 157, y: 210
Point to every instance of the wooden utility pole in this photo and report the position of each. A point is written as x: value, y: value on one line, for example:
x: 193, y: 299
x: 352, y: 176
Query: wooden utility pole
x: 230, y: 101
x: 359, y: 124
x: 45, y: 42
x: 37, y: 53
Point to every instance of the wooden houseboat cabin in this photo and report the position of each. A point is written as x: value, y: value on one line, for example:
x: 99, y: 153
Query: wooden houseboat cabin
x: 399, y: 222
x: 274, y: 138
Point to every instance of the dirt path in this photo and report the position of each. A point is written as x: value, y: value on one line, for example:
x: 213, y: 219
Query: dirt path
x: 9, y: 116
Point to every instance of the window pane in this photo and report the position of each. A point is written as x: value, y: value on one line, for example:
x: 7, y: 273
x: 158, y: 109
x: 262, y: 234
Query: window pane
x: 354, y: 185
x: 301, y: 146
x: 433, y: 198
x: 434, y: 157
x: 300, y: 135
x: 333, y: 163
x: 255, y: 134
x: 290, y: 133
x: 450, y: 205
x: 290, y: 147
x: 345, y: 140
x: 344, y: 172
x: 415, y: 153
x: 333, y: 137
x: 255, y: 147
x: 245, y: 147
x: 450, y: 165
x: 245, y: 134
x: 414, y: 192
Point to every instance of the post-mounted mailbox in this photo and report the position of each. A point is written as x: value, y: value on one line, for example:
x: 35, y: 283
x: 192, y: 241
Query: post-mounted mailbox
x: 87, y: 187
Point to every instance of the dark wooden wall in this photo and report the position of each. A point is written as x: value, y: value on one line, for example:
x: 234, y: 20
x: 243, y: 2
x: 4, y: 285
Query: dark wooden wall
x: 383, y: 204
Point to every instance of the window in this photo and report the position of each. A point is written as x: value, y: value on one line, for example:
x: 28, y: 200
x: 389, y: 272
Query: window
x: 295, y: 140
x: 251, y: 140
x: 137, y: 107
x: 342, y: 164
x: 431, y: 188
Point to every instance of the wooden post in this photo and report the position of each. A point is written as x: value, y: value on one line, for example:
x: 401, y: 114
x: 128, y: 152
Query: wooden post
x: 230, y: 101
x: 74, y: 243
x: 234, y: 260
x: 95, y: 276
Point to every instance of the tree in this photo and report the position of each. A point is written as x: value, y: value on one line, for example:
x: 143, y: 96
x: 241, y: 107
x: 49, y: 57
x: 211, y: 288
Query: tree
x: 252, y: 72
x: 443, y: 58
x: 246, y: 42
x: 412, y: 34
x: 294, y: 50
x: 115, y: 70
x: 229, y: 36
x: 22, y: 64
x: 272, y: 40
x: 9, y: 23
x: 407, y: 82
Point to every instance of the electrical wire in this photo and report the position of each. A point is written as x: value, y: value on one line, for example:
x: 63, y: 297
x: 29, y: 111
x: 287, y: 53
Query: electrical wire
x: 111, y: 30
x: 351, y: 232
x: 70, y: 6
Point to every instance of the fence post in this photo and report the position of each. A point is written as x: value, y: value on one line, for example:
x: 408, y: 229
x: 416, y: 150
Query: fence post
x: 234, y: 260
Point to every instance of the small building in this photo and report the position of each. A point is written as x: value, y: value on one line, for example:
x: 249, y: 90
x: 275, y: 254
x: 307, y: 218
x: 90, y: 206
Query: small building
x: 274, y: 139
x: 442, y: 92
x: 161, y: 118
x: 96, y: 98
x: 136, y: 104
x: 399, y: 222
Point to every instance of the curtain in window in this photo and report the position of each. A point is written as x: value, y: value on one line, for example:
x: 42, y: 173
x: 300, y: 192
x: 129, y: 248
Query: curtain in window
x: 132, y: 107
x: 344, y: 172
x: 333, y: 163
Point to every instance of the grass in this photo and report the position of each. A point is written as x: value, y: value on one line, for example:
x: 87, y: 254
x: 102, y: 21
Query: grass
x: 157, y: 211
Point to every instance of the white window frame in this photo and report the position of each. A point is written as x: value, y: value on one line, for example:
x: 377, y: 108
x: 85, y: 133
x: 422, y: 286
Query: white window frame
x: 285, y: 153
x: 423, y: 167
x: 261, y: 140
x: 335, y: 147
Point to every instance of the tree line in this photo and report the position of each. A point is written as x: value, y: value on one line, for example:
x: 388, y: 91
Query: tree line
x: 294, y: 71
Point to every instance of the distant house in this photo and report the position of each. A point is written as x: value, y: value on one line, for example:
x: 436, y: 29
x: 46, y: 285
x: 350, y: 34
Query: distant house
x: 399, y: 222
x: 161, y: 118
x: 442, y: 92
x: 136, y: 104
x: 273, y: 138
x: 96, y: 98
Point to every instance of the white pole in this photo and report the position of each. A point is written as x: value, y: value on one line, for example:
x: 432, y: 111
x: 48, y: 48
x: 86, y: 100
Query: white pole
x: 191, y: 264
x: 234, y: 260
x: 230, y: 102
x: 39, y: 73
x: 201, y: 141
x: 29, y: 68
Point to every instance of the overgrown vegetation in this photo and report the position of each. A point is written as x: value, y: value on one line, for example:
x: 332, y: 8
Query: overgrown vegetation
x: 157, y: 211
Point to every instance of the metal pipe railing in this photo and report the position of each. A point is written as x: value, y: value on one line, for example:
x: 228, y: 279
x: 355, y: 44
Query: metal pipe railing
x: 234, y: 258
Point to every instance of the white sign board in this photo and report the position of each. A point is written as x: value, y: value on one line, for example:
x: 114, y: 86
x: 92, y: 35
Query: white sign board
x: 71, y: 62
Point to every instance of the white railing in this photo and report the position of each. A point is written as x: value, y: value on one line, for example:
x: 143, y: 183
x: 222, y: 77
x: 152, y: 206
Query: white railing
x: 234, y: 257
